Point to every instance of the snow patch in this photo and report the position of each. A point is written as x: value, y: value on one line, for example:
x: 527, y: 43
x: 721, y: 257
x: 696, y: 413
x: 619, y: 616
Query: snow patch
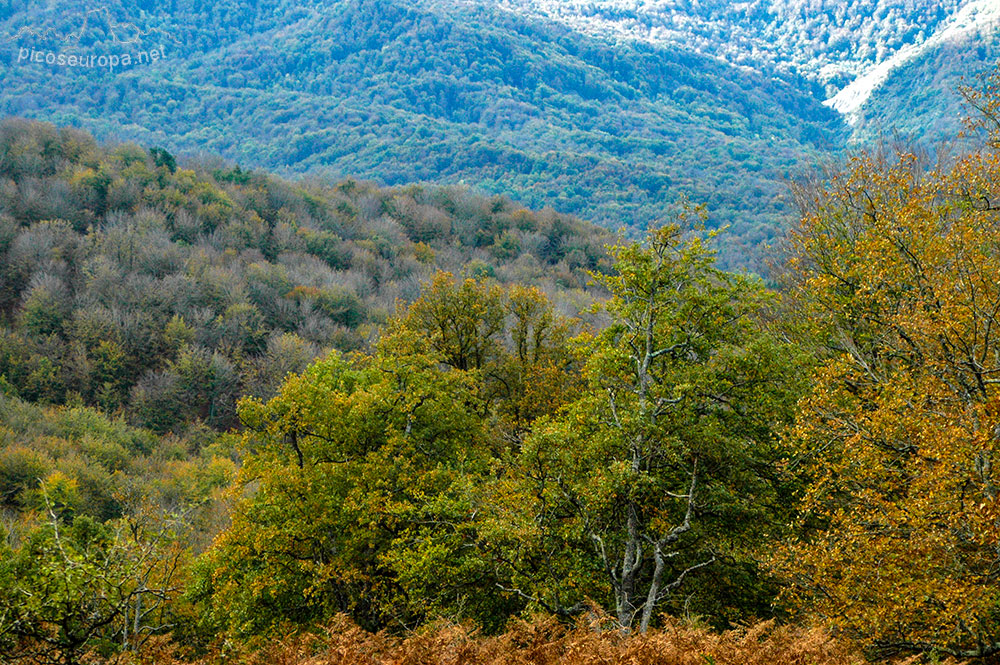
x: 977, y: 17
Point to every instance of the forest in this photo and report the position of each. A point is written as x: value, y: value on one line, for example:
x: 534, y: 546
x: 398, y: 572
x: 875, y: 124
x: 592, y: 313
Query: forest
x: 398, y: 93
x: 249, y: 420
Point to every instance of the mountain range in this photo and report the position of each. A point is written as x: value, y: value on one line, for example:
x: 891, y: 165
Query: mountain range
x: 851, y: 48
x: 610, y: 111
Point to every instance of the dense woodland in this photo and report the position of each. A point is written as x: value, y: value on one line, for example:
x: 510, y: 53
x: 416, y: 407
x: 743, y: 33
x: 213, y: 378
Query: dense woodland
x: 509, y: 102
x: 827, y: 40
x: 248, y: 420
x: 400, y: 93
x: 166, y: 293
x: 919, y: 101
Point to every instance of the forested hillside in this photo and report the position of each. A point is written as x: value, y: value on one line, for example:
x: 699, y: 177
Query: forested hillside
x: 920, y: 101
x: 892, y: 66
x: 604, y: 110
x: 398, y: 93
x: 140, y: 286
x: 578, y: 473
x: 827, y: 40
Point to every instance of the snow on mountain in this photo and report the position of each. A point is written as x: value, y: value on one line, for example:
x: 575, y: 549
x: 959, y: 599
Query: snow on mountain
x: 848, y: 46
x: 977, y: 17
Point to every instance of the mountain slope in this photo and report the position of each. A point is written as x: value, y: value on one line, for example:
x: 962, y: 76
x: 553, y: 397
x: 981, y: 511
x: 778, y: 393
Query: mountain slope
x: 919, y: 101
x: 976, y: 24
x: 865, y: 55
x: 380, y: 90
x: 166, y: 292
x: 830, y: 41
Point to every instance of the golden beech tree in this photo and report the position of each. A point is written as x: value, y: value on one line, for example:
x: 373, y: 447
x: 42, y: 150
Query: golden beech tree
x: 984, y: 100
x: 898, y: 268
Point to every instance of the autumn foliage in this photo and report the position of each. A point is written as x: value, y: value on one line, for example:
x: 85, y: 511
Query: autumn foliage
x: 536, y: 642
x: 898, y: 267
x: 500, y: 478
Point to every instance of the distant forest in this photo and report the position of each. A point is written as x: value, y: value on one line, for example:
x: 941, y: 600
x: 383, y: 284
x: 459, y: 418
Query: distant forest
x: 399, y: 94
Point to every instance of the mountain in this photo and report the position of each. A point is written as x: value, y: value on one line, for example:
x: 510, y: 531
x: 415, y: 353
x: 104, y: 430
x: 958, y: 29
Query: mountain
x: 978, y: 20
x: 892, y: 67
x: 383, y: 90
x: 610, y: 110
x: 848, y: 47
x: 918, y: 98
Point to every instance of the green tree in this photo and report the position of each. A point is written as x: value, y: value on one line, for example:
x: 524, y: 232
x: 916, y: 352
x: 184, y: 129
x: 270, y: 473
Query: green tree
x: 510, y: 338
x: 73, y: 588
x: 45, y: 308
x: 360, y: 471
x: 463, y: 320
x: 109, y: 375
x: 659, y: 468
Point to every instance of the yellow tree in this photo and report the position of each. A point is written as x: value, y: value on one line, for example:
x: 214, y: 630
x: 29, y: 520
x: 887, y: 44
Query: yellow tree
x: 898, y: 267
x: 510, y: 338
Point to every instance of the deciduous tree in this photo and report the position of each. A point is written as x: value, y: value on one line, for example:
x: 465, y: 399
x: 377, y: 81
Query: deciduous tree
x: 899, y: 266
x: 652, y: 475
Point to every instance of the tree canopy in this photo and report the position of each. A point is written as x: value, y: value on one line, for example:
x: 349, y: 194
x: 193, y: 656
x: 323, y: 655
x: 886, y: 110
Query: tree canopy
x: 896, y: 264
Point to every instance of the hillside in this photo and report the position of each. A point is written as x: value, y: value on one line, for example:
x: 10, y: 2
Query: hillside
x: 828, y: 41
x: 891, y: 66
x: 381, y: 90
x: 165, y: 293
x: 920, y: 99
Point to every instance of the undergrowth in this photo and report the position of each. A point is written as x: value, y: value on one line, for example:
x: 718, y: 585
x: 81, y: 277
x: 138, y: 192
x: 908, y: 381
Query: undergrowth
x: 543, y: 642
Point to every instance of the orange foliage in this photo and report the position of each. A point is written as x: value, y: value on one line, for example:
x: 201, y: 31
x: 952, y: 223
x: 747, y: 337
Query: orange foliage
x: 544, y: 642
x: 900, y: 265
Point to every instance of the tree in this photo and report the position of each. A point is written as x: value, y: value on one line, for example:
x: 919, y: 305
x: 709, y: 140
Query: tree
x: 162, y: 158
x: 510, y: 338
x: 984, y: 101
x: 654, y: 472
x: 45, y: 307
x: 464, y: 321
x: 898, y: 268
x: 80, y: 587
x: 357, y: 480
x: 536, y: 372
x: 365, y: 474
x: 109, y: 376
